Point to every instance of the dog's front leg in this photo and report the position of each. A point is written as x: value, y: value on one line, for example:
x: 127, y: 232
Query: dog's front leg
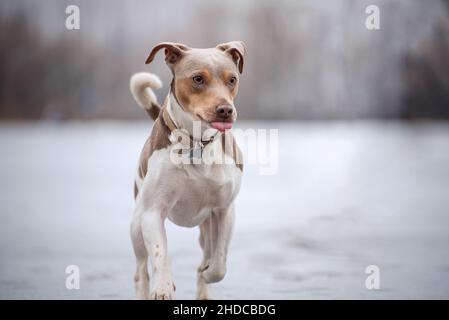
x: 153, y: 231
x: 219, y: 235
x: 205, y: 243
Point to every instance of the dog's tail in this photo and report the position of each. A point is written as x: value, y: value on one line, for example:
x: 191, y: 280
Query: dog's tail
x: 141, y: 86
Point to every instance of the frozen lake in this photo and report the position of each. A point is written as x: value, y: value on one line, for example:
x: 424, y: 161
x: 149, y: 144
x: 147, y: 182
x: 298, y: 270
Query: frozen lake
x: 346, y: 195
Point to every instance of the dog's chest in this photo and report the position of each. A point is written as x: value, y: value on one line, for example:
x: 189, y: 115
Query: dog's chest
x: 190, y: 192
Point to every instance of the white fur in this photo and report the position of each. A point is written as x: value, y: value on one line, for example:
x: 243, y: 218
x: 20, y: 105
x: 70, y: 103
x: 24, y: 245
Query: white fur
x: 188, y: 195
x: 141, y: 85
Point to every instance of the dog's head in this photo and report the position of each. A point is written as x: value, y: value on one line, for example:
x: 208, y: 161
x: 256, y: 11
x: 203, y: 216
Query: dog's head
x: 205, y: 81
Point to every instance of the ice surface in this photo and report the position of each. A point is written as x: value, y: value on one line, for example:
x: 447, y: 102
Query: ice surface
x: 347, y: 195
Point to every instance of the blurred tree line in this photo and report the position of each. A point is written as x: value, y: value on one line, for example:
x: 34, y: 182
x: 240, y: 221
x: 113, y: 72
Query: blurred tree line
x: 41, y: 79
x: 306, y: 59
x: 426, y: 77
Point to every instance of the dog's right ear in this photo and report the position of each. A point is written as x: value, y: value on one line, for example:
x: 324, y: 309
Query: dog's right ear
x: 173, y: 52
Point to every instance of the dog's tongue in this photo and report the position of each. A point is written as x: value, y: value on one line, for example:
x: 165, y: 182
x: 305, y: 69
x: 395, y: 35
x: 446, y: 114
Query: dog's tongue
x: 221, y: 126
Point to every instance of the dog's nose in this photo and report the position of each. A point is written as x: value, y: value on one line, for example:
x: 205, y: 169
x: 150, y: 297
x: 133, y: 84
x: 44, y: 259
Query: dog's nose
x: 225, y: 111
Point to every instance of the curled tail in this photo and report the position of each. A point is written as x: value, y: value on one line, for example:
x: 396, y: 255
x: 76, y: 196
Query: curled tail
x: 141, y: 86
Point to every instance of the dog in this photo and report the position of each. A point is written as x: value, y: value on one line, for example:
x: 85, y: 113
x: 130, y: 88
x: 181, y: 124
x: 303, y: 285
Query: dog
x: 194, y: 193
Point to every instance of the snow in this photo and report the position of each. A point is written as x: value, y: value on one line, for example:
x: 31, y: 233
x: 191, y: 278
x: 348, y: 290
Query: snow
x: 346, y: 195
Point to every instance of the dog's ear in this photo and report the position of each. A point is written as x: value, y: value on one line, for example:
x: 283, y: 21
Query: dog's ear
x: 236, y: 50
x: 173, y: 52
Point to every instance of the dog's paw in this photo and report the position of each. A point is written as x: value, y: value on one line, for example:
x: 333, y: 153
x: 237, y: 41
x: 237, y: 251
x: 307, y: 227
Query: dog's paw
x: 164, y: 289
x: 202, y: 289
x: 214, y: 273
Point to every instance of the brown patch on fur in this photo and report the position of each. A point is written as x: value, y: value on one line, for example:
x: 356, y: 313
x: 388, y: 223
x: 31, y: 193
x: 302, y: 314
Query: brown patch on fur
x: 183, y: 92
x: 136, y: 191
x: 157, y: 140
x: 203, y: 101
x: 154, y: 111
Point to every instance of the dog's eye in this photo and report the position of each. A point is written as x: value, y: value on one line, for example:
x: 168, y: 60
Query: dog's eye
x: 198, y: 79
x: 232, y: 81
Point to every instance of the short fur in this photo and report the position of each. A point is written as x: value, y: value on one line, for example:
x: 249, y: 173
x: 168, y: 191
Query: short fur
x: 187, y: 194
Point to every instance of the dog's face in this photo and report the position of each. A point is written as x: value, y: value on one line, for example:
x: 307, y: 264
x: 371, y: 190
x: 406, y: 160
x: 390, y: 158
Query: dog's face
x: 206, y: 81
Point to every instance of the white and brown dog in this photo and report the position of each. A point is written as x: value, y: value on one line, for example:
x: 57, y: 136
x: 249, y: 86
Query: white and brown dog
x: 193, y: 193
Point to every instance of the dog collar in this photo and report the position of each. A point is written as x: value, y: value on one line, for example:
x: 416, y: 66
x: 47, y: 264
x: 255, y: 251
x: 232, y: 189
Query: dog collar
x: 168, y: 120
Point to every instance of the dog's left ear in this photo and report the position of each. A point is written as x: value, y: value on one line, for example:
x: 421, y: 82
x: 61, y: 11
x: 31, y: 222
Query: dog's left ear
x: 236, y: 50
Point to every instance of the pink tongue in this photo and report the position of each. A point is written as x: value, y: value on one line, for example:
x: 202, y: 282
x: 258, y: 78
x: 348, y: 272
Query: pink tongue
x: 221, y: 126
